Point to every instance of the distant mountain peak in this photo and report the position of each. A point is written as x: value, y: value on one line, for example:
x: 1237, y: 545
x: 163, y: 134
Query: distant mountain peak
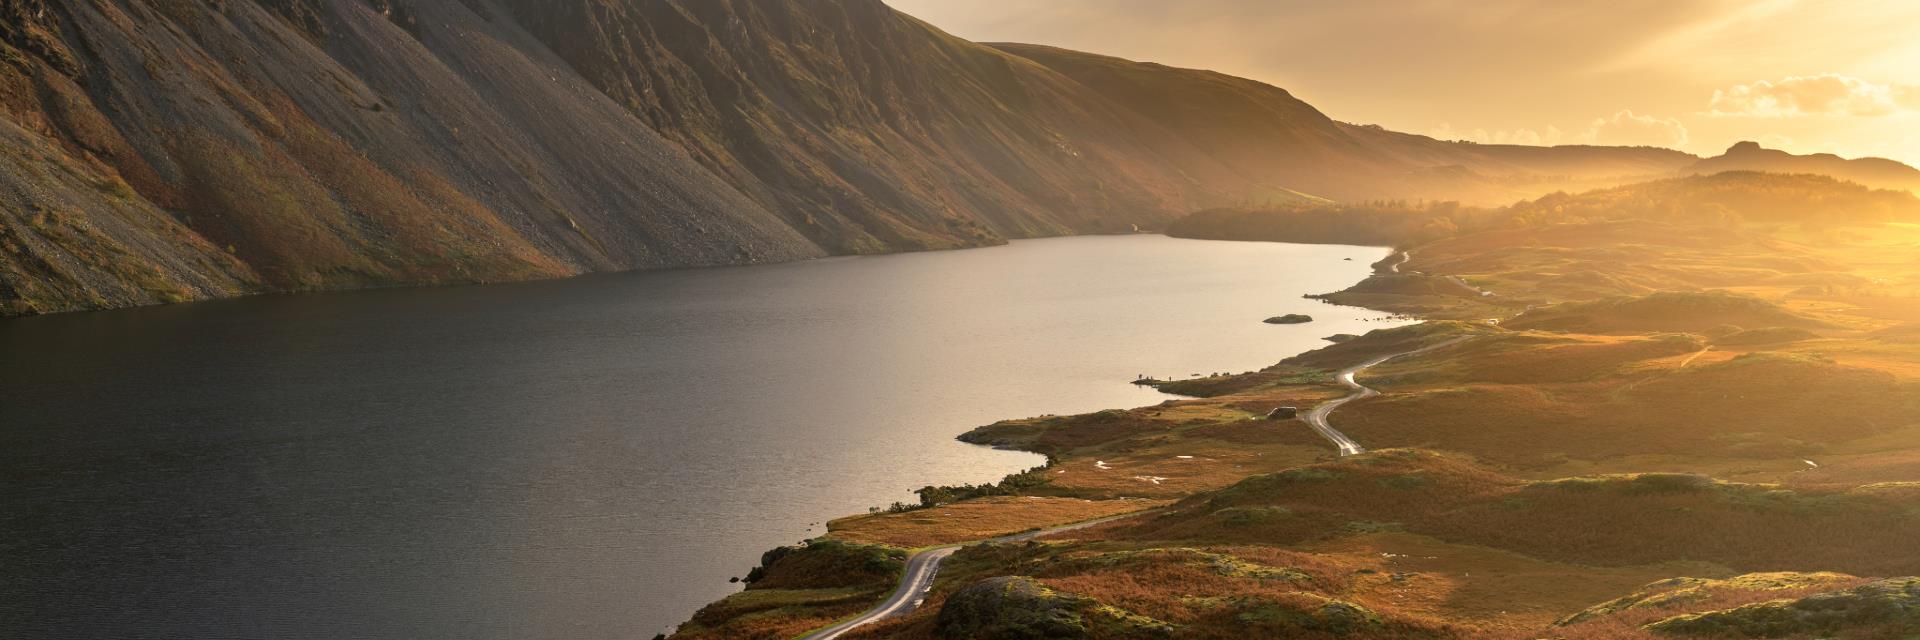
x: 1748, y: 155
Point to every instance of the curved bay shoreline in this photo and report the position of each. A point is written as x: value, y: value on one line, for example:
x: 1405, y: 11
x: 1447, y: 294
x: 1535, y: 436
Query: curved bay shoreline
x: 1556, y: 422
x: 923, y: 562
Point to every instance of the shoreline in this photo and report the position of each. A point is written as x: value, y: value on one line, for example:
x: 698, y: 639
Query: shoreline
x: 1546, y: 427
x: 404, y: 286
x: 1376, y: 269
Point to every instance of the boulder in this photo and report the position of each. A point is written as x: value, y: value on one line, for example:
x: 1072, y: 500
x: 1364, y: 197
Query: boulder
x: 1291, y: 318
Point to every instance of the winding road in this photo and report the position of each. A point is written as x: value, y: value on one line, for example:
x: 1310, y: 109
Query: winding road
x: 1404, y: 257
x: 1407, y: 256
x: 924, y: 565
x: 917, y: 580
x: 1317, y: 418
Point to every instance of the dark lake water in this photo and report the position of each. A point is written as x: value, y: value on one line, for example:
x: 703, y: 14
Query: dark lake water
x: 585, y: 458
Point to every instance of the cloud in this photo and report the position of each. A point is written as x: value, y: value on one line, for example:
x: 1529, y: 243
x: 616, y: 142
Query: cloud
x: 1532, y: 137
x: 1827, y: 94
x: 1626, y: 128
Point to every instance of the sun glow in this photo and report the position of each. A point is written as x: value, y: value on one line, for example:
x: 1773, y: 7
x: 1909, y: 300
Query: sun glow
x: 1520, y: 72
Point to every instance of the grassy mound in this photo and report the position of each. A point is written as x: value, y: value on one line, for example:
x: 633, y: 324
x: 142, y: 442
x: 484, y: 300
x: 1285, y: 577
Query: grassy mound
x: 1278, y: 375
x: 1766, y: 336
x: 1022, y: 608
x: 799, y: 588
x: 1537, y: 357
x: 1163, y: 560
x: 1694, y: 312
x: 828, y: 563
x: 1612, y: 520
x: 1382, y: 342
x: 1661, y: 599
x: 1301, y: 616
x: 1054, y: 435
x: 1882, y: 609
x: 1412, y: 285
x: 1128, y: 591
x: 1762, y: 405
x: 1013, y: 607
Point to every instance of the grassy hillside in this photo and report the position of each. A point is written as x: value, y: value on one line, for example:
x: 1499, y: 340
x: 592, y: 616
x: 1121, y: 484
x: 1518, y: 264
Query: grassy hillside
x: 1644, y: 423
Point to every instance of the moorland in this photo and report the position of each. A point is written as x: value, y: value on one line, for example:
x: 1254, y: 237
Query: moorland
x: 1682, y: 408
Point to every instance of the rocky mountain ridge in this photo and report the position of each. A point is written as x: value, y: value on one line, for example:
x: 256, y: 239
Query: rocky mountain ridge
x: 166, y: 151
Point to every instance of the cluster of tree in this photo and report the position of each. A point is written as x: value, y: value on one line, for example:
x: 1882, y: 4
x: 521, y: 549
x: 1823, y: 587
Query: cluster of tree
x: 1730, y: 198
x: 1022, y: 483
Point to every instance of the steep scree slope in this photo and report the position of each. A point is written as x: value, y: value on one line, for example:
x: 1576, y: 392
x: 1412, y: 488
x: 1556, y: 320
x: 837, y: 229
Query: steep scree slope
x: 320, y: 144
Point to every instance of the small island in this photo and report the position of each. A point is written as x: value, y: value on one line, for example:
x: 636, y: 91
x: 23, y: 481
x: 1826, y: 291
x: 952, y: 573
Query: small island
x: 1291, y: 318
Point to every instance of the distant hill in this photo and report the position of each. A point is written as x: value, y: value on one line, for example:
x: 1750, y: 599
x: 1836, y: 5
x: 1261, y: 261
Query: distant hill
x: 1719, y: 199
x: 1732, y: 195
x: 1750, y: 156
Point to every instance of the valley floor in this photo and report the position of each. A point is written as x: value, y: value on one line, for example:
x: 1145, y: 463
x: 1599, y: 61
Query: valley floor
x: 1617, y: 429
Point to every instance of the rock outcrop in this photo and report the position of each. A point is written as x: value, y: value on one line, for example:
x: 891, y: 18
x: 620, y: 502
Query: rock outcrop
x: 1890, y: 607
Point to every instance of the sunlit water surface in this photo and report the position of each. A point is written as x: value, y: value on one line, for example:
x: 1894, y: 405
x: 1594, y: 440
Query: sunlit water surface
x: 585, y: 458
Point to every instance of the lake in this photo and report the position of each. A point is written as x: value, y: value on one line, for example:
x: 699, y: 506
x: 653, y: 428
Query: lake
x: 582, y: 458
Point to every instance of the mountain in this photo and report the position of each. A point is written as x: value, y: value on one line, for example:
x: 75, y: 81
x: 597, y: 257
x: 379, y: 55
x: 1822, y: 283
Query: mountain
x: 161, y: 151
x: 868, y: 130
x: 336, y: 145
x: 1750, y: 156
x: 1266, y: 133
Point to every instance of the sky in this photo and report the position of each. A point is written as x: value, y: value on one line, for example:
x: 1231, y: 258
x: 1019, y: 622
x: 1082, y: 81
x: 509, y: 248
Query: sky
x: 1835, y: 76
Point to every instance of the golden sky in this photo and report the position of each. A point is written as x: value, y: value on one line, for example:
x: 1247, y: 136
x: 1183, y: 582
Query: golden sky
x: 1838, y: 76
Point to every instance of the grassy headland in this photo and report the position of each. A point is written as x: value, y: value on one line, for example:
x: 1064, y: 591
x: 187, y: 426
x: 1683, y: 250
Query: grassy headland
x: 1682, y: 410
